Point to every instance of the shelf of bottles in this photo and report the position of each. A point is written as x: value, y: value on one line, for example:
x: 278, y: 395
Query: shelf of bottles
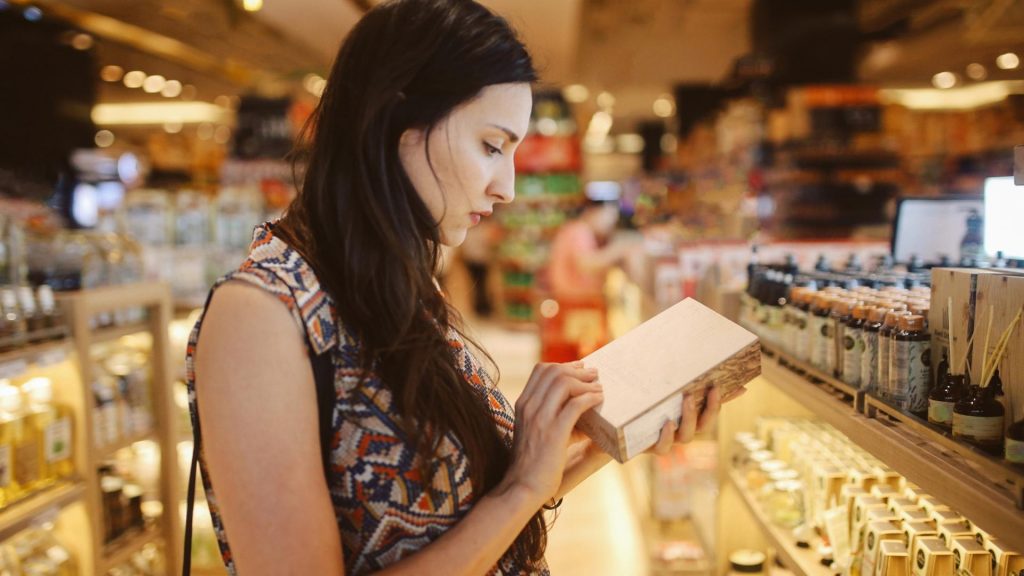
x: 885, y: 355
x: 548, y: 189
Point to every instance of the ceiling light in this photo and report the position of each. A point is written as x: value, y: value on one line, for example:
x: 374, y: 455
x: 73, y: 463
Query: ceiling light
x: 965, y: 98
x: 252, y: 5
x: 1008, y: 61
x: 154, y: 84
x: 81, y: 41
x: 134, y: 79
x: 172, y: 89
x: 976, y: 71
x: 111, y: 73
x: 605, y: 100
x: 104, y: 138
x: 664, y: 107
x: 576, y: 93
x: 944, y: 80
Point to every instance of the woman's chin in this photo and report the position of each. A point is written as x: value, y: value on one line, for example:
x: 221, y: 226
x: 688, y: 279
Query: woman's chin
x: 453, y: 238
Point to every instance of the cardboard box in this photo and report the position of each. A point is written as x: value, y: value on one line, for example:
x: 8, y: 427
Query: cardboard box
x: 893, y: 559
x: 930, y: 504
x: 1005, y: 561
x: 914, y: 514
x: 932, y: 558
x: 952, y: 530
x: 914, y: 531
x: 969, y: 557
x: 687, y: 348
x: 877, y: 532
x: 861, y: 506
x: 897, y: 505
x: 942, y: 515
x: 884, y: 491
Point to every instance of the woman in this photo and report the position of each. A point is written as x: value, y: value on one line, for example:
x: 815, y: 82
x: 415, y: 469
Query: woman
x: 412, y: 144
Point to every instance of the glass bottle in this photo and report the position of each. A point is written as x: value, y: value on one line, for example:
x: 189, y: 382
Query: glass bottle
x: 17, y: 327
x: 35, y: 323
x: 885, y: 352
x: 27, y: 466
x: 52, y: 423
x: 53, y: 318
x: 911, y: 365
x: 838, y: 317
x: 978, y: 418
x: 802, y: 340
x: 943, y: 399
x: 853, y: 345
x: 869, y: 360
x: 818, y: 330
x: 942, y: 369
x: 10, y: 433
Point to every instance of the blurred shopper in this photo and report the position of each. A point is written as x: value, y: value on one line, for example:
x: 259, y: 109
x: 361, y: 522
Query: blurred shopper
x: 581, y: 253
x: 477, y: 252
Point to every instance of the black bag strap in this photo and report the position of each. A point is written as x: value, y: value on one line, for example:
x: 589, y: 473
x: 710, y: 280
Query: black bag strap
x: 323, y: 376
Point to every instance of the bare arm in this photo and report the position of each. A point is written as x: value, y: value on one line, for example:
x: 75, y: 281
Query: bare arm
x: 258, y: 409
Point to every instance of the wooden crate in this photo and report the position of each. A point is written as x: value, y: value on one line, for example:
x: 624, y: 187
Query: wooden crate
x: 962, y: 285
x: 1005, y: 294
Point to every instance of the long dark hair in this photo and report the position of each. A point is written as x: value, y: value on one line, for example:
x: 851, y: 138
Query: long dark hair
x: 370, y: 237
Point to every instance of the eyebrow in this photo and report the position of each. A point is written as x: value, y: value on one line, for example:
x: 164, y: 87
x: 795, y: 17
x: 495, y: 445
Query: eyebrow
x: 512, y: 136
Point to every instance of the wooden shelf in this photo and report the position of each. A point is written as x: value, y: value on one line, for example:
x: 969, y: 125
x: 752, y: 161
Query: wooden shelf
x: 108, y: 451
x: 13, y: 362
x: 120, y: 551
x: 802, y: 561
x: 114, y: 332
x: 961, y: 479
x: 21, y: 514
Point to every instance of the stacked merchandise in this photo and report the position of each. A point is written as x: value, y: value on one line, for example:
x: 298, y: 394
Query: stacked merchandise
x: 809, y: 480
x: 36, y: 551
x: 548, y: 165
x: 129, y: 483
x: 146, y: 562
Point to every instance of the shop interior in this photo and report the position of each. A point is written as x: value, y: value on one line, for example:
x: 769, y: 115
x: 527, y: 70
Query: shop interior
x: 844, y: 180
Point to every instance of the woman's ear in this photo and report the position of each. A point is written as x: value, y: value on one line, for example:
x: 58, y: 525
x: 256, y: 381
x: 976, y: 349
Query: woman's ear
x: 412, y: 137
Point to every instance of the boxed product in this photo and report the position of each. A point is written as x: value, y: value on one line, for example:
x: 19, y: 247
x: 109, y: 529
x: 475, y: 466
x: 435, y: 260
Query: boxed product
x: 932, y: 558
x: 914, y: 531
x: 969, y: 557
x: 1005, y: 562
x: 893, y: 559
x: 876, y: 533
x: 685, y: 349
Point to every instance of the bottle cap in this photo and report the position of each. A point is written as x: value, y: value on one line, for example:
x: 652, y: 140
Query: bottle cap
x: 892, y: 317
x: 860, y: 311
x: 911, y: 323
x: 877, y: 314
x: 823, y: 301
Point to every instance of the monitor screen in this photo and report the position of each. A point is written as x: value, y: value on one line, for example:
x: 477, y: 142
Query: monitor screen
x: 1004, y: 216
x: 931, y: 228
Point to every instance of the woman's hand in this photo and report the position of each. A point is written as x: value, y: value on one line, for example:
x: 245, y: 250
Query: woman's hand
x: 693, y: 420
x: 555, y: 397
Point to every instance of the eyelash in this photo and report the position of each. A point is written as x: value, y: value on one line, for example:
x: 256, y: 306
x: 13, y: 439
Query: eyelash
x: 492, y: 150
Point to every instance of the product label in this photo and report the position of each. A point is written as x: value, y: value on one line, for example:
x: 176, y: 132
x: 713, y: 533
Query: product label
x: 869, y: 362
x: 1014, y: 451
x: 818, y: 341
x: 832, y: 332
x: 884, y: 350
x: 910, y: 375
x: 26, y: 463
x: 980, y: 429
x: 940, y: 412
x: 853, y: 356
x: 5, y: 466
x: 802, y: 337
x: 58, y: 440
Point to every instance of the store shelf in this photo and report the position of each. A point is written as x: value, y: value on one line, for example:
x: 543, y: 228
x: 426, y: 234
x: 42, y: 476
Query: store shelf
x: 107, y: 452
x: 115, y: 332
x: 801, y: 561
x: 21, y: 514
x: 120, y: 551
x: 14, y: 362
x: 957, y: 478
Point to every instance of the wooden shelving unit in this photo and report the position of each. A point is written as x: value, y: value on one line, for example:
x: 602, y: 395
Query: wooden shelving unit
x: 155, y: 300
x: 801, y: 561
x: 44, y: 353
x: 21, y: 514
x: 980, y: 487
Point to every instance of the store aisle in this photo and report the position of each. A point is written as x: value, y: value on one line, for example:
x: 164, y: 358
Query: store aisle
x: 597, y: 531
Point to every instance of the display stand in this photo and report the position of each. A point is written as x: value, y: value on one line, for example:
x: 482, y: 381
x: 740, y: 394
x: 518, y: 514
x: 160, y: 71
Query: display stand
x: 155, y: 300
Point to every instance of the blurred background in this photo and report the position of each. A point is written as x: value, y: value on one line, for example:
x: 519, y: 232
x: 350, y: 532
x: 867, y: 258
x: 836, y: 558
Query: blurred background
x: 757, y: 155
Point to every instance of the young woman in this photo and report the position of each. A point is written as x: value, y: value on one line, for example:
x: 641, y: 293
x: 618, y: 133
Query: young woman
x: 412, y: 144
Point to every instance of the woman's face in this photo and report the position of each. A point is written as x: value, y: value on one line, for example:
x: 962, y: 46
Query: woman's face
x: 471, y: 158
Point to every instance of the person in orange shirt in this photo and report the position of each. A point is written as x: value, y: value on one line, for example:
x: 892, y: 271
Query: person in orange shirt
x: 581, y: 254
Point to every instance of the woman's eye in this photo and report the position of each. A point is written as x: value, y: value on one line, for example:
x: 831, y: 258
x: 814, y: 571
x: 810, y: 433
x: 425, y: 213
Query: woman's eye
x: 492, y: 150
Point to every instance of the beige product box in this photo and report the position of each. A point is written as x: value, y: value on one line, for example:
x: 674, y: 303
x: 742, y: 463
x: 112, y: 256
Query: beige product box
x: 848, y: 496
x: 932, y: 558
x: 863, y: 478
x: 1005, y: 561
x: 980, y: 536
x: 829, y: 480
x: 951, y: 530
x: 914, y: 531
x: 943, y: 515
x: 884, y: 491
x: 914, y: 514
x: 890, y: 478
x: 893, y: 559
x: 877, y: 532
x: 861, y: 506
x: 881, y: 515
x: 930, y: 504
x: 687, y: 348
x: 897, y: 505
x: 969, y: 557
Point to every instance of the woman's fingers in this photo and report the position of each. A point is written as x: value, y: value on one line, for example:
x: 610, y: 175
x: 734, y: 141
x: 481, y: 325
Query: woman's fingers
x: 712, y: 406
x: 561, y: 391
x: 688, y: 424
x: 666, y: 439
x: 575, y: 408
x: 544, y: 379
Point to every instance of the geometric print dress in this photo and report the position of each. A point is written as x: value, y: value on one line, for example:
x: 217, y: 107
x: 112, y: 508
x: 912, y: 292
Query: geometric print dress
x: 385, y: 510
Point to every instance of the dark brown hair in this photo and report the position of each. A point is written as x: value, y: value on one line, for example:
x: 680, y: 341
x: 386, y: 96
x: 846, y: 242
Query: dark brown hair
x: 370, y: 237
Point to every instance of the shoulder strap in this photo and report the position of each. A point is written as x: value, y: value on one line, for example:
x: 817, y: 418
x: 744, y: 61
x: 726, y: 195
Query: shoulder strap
x: 323, y: 376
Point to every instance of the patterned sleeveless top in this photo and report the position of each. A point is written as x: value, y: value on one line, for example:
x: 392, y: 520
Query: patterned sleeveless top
x: 385, y: 510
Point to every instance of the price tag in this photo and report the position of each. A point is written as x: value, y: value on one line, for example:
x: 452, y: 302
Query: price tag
x: 13, y: 368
